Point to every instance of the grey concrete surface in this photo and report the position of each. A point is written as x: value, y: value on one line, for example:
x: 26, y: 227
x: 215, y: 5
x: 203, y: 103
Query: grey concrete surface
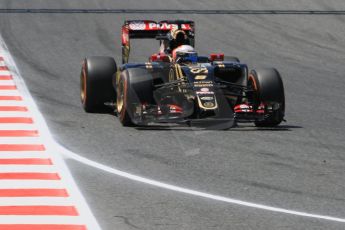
x: 300, y: 166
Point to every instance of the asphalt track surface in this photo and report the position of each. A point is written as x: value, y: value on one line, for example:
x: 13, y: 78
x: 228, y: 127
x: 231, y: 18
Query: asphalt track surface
x: 300, y: 166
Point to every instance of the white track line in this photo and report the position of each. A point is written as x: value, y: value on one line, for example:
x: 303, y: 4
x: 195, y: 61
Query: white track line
x: 194, y: 192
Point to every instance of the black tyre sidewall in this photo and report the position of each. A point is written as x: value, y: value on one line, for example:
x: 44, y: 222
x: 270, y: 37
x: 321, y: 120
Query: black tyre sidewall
x: 269, y: 88
x: 125, y: 113
x: 138, y: 90
x: 98, y: 74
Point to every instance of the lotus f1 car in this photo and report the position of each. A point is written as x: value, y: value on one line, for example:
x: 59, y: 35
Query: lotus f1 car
x: 177, y: 85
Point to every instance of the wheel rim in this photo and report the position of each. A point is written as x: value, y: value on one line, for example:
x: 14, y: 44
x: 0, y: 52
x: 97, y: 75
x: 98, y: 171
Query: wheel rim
x: 83, y: 86
x: 252, y: 82
x: 120, y: 96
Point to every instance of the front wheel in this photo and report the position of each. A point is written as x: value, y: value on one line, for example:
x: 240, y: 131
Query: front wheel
x: 134, y: 89
x: 268, y: 89
x: 123, y: 100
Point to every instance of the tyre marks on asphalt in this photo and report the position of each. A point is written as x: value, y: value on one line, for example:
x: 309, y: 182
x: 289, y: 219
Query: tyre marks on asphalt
x: 33, y: 192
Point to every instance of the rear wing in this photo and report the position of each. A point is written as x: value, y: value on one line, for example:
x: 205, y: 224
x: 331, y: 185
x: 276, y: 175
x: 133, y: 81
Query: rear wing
x: 140, y: 29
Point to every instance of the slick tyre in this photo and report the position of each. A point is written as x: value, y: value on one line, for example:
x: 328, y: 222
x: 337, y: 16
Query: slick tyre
x: 134, y: 88
x: 268, y: 89
x: 96, y: 86
x: 123, y: 100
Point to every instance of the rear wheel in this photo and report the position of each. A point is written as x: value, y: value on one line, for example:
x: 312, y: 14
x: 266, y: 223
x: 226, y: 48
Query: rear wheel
x: 269, y: 90
x: 96, y: 83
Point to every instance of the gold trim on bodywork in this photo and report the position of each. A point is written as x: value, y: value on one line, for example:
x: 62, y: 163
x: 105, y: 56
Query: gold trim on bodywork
x: 175, y: 73
x: 200, y: 77
x: 220, y: 64
x: 179, y: 74
x: 201, y: 105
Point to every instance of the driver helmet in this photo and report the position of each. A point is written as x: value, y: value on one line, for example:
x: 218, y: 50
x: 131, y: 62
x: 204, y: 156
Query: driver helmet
x: 177, y: 38
x: 185, y: 53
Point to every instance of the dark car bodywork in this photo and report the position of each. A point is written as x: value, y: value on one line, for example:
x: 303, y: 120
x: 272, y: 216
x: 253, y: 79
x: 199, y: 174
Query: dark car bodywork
x: 208, y: 90
x: 205, y: 91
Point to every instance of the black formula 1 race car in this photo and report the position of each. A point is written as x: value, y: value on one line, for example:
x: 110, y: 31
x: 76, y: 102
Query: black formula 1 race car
x: 176, y: 85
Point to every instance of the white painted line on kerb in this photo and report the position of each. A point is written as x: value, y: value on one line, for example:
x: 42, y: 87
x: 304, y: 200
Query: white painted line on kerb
x: 20, y: 140
x: 9, y: 219
x: 6, y: 82
x: 5, y: 73
x: 28, y: 168
x: 20, y: 155
x: 21, y: 201
x: 114, y: 171
x: 27, y: 184
x: 18, y: 126
x: 9, y: 93
x: 16, y: 114
x: 12, y: 103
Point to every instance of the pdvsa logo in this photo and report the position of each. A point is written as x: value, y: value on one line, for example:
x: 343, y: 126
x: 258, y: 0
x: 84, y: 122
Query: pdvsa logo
x: 167, y: 26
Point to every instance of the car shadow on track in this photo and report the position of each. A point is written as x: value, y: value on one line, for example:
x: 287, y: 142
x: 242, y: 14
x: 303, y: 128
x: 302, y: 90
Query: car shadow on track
x: 179, y: 127
x: 278, y: 128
